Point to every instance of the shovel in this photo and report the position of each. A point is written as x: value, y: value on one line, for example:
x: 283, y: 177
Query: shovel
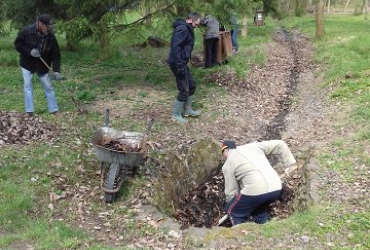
x: 74, y: 100
x: 47, y: 66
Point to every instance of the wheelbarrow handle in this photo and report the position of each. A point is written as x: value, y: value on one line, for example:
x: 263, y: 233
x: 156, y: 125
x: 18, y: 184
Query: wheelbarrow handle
x: 106, y: 120
x: 149, y: 128
x: 150, y: 125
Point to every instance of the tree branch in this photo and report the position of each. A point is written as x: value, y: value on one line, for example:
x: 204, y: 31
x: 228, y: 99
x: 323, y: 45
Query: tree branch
x: 120, y: 27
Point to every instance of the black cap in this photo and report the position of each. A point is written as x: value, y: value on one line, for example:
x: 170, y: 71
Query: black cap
x: 228, y: 144
x: 45, y: 19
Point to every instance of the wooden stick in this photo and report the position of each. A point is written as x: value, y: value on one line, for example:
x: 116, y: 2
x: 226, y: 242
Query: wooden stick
x: 220, y: 221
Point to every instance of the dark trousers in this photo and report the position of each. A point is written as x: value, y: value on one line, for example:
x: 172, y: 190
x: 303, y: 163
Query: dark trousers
x: 185, y: 83
x: 211, y: 52
x: 234, y: 34
x: 241, y: 207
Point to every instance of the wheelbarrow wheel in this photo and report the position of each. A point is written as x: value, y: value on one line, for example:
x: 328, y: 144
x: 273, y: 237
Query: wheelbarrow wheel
x: 111, y: 181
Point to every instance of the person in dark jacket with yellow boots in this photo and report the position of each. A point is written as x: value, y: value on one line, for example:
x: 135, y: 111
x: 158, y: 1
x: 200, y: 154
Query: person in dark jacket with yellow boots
x: 182, y: 43
x: 38, y: 46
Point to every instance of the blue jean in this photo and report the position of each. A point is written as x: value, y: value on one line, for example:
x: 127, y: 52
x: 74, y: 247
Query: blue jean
x: 48, y: 90
x: 241, y: 207
x: 234, y: 35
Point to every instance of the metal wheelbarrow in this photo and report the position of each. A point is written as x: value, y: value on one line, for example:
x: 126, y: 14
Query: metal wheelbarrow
x: 116, y: 161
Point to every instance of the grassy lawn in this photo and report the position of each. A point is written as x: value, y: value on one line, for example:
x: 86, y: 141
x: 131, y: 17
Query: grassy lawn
x: 29, y: 173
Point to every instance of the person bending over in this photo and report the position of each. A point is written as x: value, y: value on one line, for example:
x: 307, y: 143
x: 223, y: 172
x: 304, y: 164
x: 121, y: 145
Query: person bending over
x: 251, y: 184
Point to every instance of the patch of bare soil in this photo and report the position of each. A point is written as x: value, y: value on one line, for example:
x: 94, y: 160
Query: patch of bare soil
x: 19, y: 128
x: 282, y: 99
x: 20, y: 245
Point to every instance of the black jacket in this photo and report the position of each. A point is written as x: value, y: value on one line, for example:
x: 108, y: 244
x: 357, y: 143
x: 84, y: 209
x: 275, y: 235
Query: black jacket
x: 182, y: 43
x: 29, y: 39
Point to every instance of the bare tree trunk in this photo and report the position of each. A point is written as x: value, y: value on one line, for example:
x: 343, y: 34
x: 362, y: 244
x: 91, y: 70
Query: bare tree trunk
x: 366, y: 9
x: 328, y: 10
x: 104, y: 39
x: 244, y: 29
x: 320, y: 30
x: 345, y: 8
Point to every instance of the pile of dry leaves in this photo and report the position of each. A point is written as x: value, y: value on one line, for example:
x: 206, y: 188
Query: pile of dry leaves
x: 120, y: 146
x: 204, y: 205
x: 19, y: 128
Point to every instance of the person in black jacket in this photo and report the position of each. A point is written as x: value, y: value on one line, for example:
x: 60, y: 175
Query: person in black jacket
x: 182, y: 43
x: 38, y: 46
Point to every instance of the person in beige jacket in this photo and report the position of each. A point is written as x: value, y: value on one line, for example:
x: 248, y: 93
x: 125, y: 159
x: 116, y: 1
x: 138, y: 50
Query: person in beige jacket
x: 251, y: 183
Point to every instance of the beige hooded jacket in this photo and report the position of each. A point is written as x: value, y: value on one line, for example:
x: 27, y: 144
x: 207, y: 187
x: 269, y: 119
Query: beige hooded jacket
x: 247, y: 169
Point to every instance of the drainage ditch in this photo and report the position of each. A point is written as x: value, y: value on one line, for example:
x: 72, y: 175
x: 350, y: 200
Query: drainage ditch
x: 197, y: 198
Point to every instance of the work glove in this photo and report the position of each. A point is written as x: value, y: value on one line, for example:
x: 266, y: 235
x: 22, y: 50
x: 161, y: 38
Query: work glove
x: 35, y: 53
x: 57, y: 76
x: 290, y: 169
x: 287, y: 172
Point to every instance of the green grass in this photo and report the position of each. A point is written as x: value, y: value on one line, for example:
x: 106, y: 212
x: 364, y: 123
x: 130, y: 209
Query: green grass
x: 344, y: 49
x: 322, y: 226
x: 47, y: 236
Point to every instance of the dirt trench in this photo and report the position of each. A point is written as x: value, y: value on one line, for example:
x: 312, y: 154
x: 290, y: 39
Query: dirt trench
x: 277, y: 125
x: 203, y: 205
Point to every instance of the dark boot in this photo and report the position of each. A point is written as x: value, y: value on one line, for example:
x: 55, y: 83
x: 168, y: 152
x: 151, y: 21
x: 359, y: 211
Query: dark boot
x: 188, y: 109
x: 178, y: 108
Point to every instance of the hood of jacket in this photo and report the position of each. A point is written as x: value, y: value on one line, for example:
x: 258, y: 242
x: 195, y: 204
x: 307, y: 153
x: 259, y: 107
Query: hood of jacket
x: 182, y: 42
x: 180, y: 21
